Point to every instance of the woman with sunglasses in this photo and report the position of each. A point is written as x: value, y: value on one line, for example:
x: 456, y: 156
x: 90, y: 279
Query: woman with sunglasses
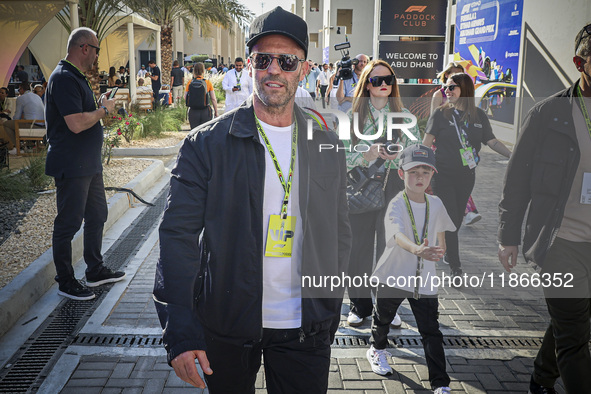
x: 460, y: 129
x: 375, y: 96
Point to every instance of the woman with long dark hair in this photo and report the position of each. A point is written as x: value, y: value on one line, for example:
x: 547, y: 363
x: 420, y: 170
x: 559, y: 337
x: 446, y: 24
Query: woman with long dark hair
x: 460, y: 129
x: 375, y: 96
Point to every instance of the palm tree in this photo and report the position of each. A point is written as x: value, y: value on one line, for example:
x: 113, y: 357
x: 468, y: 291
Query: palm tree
x: 100, y: 16
x: 166, y: 12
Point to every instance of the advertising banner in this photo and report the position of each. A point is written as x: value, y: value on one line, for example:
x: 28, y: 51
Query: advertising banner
x: 413, y: 59
x: 488, y: 33
x: 413, y: 18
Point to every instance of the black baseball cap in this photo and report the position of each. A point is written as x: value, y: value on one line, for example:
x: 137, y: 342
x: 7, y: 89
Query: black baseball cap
x: 279, y: 21
x: 417, y: 155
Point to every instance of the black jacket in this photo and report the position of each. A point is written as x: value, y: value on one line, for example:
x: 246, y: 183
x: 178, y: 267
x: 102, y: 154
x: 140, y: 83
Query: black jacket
x: 209, y: 276
x: 540, y: 174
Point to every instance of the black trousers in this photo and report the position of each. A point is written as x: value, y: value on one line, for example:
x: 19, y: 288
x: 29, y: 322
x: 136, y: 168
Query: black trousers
x: 426, y: 315
x: 323, y: 94
x: 199, y: 116
x: 77, y: 199
x: 454, y: 191
x: 565, y: 349
x: 365, y: 227
x: 292, y: 365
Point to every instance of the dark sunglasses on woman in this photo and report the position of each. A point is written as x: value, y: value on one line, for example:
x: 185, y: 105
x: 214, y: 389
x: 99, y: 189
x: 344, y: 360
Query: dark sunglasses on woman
x: 377, y: 81
x: 288, y: 63
x: 451, y: 87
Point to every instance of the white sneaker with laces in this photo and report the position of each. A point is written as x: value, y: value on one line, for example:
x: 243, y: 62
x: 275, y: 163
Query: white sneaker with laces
x: 396, y: 322
x: 378, y: 359
x: 442, y: 390
x: 471, y: 218
x: 353, y: 320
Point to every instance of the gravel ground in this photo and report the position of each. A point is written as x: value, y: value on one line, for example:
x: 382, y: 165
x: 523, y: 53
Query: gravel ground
x: 26, y: 226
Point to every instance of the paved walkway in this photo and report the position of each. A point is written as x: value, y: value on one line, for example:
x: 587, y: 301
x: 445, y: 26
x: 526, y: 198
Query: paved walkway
x: 472, y: 314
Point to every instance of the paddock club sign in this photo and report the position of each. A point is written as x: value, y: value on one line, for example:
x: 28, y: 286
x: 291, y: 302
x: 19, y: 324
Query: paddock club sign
x: 413, y: 17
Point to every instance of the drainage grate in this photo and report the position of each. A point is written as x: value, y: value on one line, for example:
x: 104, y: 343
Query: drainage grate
x: 30, y: 365
x: 450, y: 342
x: 138, y: 341
x: 350, y: 341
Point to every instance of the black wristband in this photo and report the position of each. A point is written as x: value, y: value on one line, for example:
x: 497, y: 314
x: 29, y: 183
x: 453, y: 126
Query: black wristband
x: 106, y: 110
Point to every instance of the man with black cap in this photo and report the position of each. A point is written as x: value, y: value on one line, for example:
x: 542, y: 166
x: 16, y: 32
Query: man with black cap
x: 549, y: 177
x: 255, y: 207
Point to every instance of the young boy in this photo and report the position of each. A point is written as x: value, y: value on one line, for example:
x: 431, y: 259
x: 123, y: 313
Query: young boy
x: 414, y: 222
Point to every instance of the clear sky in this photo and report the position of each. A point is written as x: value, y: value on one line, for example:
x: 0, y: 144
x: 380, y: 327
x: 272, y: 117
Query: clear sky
x: 260, y: 7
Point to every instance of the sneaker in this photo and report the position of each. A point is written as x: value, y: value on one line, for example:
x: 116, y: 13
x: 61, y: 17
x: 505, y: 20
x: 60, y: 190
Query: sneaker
x: 471, y: 218
x: 378, y: 359
x: 444, y: 260
x: 442, y: 390
x: 396, y: 322
x: 535, y: 388
x: 75, y: 290
x: 103, y: 276
x: 353, y: 320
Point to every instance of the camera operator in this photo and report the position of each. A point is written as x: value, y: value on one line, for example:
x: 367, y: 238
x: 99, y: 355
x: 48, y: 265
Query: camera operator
x: 237, y: 84
x: 347, y: 86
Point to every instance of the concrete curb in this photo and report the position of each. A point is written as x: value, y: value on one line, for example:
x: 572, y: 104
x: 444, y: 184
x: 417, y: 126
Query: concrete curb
x: 30, y: 285
x: 131, y: 152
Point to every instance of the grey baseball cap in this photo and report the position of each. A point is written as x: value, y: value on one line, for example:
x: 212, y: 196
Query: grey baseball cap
x: 417, y: 155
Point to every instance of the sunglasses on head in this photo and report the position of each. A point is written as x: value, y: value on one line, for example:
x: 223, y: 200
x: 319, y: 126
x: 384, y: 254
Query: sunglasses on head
x: 451, y: 87
x: 98, y: 49
x: 377, y: 81
x: 588, y: 31
x: 262, y: 61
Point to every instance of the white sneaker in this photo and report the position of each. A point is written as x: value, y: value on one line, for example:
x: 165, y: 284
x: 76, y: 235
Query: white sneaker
x: 442, y: 390
x: 12, y: 151
x: 353, y: 320
x: 471, y: 218
x: 396, y: 322
x: 378, y: 359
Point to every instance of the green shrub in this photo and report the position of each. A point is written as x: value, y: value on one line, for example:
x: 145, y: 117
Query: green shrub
x: 14, y: 186
x: 159, y: 120
x: 35, y: 172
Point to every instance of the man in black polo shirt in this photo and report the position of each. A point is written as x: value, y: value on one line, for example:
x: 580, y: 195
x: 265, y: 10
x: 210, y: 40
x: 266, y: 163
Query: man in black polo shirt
x: 75, y: 137
x: 177, y: 80
x: 156, y: 82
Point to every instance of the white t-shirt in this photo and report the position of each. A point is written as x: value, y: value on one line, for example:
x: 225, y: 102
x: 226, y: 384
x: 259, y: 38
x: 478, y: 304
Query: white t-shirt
x: 397, y: 262
x: 282, y: 295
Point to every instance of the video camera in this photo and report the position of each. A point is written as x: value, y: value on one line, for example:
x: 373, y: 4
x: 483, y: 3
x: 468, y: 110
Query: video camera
x: 346, y: 62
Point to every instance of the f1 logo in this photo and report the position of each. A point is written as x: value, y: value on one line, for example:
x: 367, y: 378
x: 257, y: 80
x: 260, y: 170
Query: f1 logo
x: 416, y: 8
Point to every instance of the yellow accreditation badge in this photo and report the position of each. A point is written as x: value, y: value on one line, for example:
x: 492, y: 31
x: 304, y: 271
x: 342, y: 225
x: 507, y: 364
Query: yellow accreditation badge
x: 280, y: 236
x: 307, y: 85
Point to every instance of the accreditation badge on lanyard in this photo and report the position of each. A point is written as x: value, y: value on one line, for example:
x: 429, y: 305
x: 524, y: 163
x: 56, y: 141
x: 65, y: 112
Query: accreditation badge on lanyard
x: 586, y: 186
x: 418, y: 240
x: 466, y: 152
x: 281, y: 230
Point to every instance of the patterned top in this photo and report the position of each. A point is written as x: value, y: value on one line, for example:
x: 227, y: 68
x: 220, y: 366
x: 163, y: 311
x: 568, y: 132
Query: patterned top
x: 355, y: 156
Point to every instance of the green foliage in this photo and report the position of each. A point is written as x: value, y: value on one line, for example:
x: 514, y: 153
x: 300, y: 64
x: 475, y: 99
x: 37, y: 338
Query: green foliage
x: 216, y: 81
x: 422, y: 125
x: 13, y: 186
x: 161, y: 119
x: 35, y: 172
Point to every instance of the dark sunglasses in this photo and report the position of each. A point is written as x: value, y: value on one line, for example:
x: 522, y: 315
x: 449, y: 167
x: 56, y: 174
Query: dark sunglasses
x: 451, y: 87
x: 262, y: 61
x: 98, y: 49
x: 588, y: 31
x: 377, y: 81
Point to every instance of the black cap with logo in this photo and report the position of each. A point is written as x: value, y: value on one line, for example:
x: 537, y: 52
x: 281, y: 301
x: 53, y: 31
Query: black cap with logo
x: 279, y: 21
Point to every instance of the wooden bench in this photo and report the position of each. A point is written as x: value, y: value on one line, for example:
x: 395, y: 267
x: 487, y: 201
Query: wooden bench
x: 26, y: 130
x: 145, y: 100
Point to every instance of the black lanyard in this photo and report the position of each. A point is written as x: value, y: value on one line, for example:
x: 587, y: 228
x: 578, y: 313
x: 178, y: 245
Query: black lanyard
x: 418, y: 241
x: 286, y: 185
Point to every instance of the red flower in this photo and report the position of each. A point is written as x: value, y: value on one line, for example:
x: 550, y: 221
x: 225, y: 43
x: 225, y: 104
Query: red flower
x: 119, y: 118
x: 114, y: 117
x: 138, y: 123
x: 127, y: 123
x: 112, y: 146
x: 118, y: 133
x: 130, y: 115
x: 118, y: 130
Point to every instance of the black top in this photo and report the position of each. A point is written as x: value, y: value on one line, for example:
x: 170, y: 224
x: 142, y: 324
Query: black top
x: 156, y: 84
x: 69, y: 154
x: 178, y: 75
x: 447, y: 141
x: 22, y: 76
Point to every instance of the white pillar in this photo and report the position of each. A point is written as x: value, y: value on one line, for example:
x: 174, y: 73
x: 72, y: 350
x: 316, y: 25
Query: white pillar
x: 132, y: 72
x: 158, y: 54
x: 74, y: 23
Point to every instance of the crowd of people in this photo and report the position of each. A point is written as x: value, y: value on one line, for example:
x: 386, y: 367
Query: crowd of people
x: 254, y: 206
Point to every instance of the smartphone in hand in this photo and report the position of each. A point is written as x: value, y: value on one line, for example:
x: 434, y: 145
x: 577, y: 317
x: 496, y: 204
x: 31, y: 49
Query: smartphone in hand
x: 113, y: 93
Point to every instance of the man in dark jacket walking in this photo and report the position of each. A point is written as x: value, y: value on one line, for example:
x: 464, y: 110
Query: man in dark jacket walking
x: 254, y: 207
x: 550, y: 170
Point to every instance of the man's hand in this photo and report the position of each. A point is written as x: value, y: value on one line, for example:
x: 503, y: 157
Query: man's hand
x: 185, y: 369
x: 110, y: 104
x: 504, y: 253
